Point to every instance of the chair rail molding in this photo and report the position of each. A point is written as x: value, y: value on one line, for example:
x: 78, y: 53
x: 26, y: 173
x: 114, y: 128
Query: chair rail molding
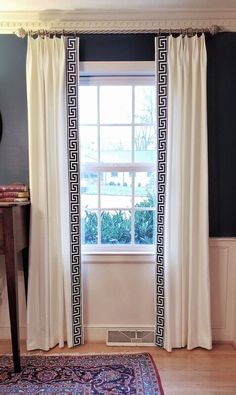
x: 116, y: 22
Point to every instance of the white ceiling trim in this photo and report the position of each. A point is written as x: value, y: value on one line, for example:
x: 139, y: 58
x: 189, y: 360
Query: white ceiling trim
x: 108, y: 21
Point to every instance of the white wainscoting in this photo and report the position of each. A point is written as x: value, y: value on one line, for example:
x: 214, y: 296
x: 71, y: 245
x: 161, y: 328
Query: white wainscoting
x: 223, y: 288
x: 121, y: 294
x: 105, y: 298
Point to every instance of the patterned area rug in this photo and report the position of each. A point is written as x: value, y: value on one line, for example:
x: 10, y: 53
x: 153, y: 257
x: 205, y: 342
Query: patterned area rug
x: 111, y: 374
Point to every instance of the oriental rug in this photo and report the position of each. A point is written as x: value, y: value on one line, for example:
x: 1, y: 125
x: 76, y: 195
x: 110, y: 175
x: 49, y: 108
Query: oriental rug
x: 107, y: 374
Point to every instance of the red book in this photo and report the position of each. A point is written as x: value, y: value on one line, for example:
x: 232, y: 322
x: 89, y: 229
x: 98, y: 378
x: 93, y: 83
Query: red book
x: 12, y: 199
x: 14, y: 188
x: 14, y: 194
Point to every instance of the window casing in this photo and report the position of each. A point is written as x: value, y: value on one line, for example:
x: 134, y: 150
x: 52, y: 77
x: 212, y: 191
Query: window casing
x: 118, y: 164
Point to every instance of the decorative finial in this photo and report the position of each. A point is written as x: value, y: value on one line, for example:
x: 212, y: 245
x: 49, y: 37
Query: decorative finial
x: 21, y: 32
x: 214, y: 29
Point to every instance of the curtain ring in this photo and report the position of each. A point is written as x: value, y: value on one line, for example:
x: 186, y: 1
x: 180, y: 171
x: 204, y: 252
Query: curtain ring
x: 190, y: 32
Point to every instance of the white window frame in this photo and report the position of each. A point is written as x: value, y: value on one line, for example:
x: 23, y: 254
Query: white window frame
x: 137, y: 73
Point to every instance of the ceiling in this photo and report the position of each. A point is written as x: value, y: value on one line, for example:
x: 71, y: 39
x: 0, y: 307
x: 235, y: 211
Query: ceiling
x: 115, y: 5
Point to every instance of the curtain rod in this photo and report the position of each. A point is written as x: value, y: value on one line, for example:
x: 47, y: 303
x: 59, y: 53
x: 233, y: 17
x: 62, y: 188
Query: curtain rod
x: 189, y: 31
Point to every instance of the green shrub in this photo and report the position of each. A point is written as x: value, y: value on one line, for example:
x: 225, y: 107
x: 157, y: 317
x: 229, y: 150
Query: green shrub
x: 90, y: 228
x: 116, y: 228
x: 116, y: 225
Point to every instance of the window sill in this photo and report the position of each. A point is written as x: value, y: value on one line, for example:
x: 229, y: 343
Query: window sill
x: 118, y: 257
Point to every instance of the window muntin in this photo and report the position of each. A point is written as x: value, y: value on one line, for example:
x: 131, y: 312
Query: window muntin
x: 118, y: 164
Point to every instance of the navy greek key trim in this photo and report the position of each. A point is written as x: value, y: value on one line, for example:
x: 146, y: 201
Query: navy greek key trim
x: 161, y: 82
x: 72, y: 79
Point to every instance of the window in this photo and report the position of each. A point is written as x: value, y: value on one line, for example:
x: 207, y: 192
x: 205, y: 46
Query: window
x: 118, y: 163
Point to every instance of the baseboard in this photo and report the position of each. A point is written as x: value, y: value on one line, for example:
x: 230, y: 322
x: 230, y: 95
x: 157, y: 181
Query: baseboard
x: 222, y: 334
x: 5, y: 333
x: 223, y: 342
x: 98, y: 333
x: 92, y: 333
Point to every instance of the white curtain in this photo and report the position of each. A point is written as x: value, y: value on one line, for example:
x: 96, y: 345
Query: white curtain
x: 183, y: 291
x: 50, y: 295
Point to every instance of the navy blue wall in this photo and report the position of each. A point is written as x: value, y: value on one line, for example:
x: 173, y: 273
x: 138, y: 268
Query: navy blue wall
x: 117, y: 47
x: 221, y: 111
x: 13, y: 107
x: 221, y: 52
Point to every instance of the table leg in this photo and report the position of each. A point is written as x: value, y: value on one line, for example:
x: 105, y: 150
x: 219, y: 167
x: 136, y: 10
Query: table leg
x: 12, y: 288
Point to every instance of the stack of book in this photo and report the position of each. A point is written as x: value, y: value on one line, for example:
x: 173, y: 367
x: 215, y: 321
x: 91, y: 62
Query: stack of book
x: 14, y: 193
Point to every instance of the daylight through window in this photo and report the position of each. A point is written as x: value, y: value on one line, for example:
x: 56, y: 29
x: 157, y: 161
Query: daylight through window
x: 118, y: 163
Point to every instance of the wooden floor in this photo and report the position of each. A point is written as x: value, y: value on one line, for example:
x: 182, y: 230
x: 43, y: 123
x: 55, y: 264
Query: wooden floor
x: 182, y: 372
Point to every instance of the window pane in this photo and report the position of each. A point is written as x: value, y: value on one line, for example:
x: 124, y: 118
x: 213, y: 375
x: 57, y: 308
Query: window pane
x: 145, y: 104
x: 118, y: 187
x: 145, y: 144
x: 88, y: 112
x: 116, y: 191
x: 116, y: 227
x: 89, y: 190
x: 116, y: 144
x: 88, y: 143
x: 145, y: 189
x: 89, y: 227
x: 143, y: 227
x: 115, y: 104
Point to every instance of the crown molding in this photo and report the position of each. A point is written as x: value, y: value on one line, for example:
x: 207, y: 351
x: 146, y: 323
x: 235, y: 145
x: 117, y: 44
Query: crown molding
x: 108, y: 21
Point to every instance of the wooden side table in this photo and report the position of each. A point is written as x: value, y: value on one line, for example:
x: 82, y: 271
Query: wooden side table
x: 14, y: 238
